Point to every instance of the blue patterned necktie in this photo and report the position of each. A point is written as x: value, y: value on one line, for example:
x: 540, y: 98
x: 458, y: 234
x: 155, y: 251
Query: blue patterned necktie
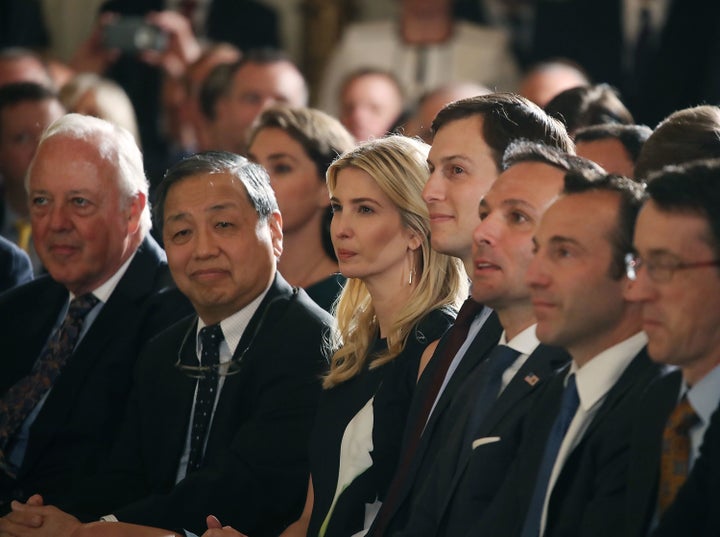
x: 568, y: 407
x: 210, y: 339
x: 19, y: 401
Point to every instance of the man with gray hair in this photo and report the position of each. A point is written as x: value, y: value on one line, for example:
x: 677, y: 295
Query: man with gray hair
x: 221, y: 411
x: 71, y: 338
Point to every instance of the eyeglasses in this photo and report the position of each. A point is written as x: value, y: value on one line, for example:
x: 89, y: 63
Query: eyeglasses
x: 661, y: 269
x: 234, y: 366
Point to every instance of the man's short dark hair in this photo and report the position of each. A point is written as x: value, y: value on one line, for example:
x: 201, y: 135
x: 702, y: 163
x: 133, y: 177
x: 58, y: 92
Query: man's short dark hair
x: 685, y: 135
x: 691, y: 188
x: 506, y: 117
x: 18, y: 92
x: 594, y: 104
x: 528, y: 151
x: 14, y: 54
x: 632, y: 137
x: 253, y: 177
x: 631, y: 197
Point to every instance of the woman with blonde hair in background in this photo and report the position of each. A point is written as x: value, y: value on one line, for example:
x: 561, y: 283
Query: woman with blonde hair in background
x: 93, y: 95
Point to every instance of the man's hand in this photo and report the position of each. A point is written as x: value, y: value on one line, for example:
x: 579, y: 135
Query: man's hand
x: 92, y: 56
x: 33, y: 519
x: 216, y: 529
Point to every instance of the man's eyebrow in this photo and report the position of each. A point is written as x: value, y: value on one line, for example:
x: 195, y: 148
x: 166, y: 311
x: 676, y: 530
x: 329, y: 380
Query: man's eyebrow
x: 448, y: 158
x: 561, y: 239
x: 516, y: 202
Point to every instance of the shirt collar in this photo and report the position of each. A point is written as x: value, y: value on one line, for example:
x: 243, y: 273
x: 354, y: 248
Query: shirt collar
x: 525, y: 342
x: 233, y: 326
x: 103, y: 292
x: 704, y: 395
x: 599, y: 374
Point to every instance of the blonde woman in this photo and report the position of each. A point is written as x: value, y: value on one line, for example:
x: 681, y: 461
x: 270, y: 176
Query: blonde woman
x: 396, y: 304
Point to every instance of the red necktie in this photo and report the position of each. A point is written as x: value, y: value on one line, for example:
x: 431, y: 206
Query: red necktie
x: 455, y: 338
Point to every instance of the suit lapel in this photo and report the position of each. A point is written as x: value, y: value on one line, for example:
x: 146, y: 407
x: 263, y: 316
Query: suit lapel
x: 485, y: 340
x: 640, y: 367
x: 34, y: 325
x: 639, y: 371
x: 483, y: 343
x: 134, y: 286
x: 175, y: 405
x: 250, y: 352
x: 540, y: 365
x: 659, y: 401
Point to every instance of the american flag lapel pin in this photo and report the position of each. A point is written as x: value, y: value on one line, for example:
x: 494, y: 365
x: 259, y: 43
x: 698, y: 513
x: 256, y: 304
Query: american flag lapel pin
x: 532, y: 379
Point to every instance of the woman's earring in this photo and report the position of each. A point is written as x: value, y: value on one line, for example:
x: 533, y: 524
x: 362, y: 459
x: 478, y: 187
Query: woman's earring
x: 412, y: 268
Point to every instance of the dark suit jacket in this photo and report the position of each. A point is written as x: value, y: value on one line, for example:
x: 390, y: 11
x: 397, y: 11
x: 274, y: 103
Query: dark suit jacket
x: 15, y: 267
x: 685, y: 70
x: 255, y: 474
x: 464, y: 480
x: 434, y: 435
x: 589, y: 494
x: 645, y: 448
x: 78, y: 422
x: 695, y: 509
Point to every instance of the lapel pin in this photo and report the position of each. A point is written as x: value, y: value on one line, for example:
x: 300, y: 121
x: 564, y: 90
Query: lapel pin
x: 532, y: 379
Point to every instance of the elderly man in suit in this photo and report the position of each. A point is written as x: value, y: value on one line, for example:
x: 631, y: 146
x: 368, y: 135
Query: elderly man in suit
x: 221, y: 410
x: 70, y: 338
x: 677, y: 285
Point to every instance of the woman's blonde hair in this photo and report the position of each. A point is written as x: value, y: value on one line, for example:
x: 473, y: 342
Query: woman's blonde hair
x: 111, y: 102
x: 398, y: 165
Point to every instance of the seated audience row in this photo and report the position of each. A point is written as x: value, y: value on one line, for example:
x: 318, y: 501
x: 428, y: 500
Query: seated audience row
x: 411, y: 432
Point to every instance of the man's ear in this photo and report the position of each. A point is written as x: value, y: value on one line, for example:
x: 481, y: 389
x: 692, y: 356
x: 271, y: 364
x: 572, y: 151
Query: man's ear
x: 136, y: 206
x: 276, y: 234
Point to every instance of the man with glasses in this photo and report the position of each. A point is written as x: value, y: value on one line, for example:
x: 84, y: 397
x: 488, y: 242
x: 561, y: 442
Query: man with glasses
x: 677, y: 283
x: 220, y: 415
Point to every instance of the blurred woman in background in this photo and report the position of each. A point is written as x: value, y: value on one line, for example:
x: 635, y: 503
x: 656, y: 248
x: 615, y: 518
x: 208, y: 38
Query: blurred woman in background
x: 296, y: 146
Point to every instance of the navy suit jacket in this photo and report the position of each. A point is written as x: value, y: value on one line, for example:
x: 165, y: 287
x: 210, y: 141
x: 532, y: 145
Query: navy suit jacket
x: 464, y: 480
x: 255, y: 471
x: 589, y: 494
x: 73, y: 432
x: 15, y: 267
x: 434, y: 436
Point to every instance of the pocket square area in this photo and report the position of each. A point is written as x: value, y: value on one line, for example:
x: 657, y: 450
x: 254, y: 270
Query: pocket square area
x: 486, y: 440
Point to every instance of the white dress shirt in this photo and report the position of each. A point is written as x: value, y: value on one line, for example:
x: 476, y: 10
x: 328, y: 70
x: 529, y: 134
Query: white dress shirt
x: 594, y: 380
